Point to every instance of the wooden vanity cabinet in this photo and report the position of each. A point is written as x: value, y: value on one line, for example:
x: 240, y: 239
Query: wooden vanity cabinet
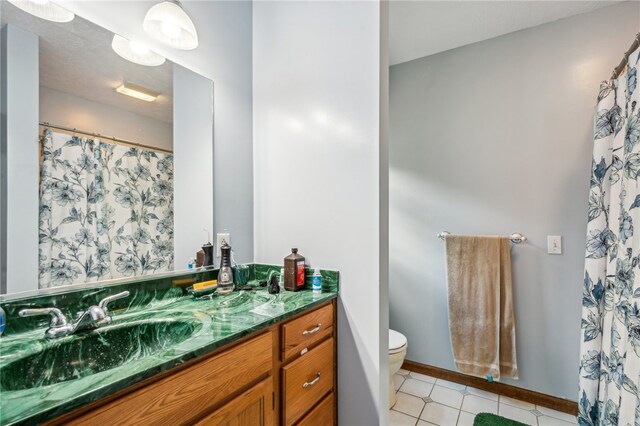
x: 185, y: 396
x: 308, y: 371
x: 284, y: 375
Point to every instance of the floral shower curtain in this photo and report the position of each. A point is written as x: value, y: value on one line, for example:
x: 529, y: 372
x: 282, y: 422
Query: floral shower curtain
x: 610, y: 347
x: 106, y: 211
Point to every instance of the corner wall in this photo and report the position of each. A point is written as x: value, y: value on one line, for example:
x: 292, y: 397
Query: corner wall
x: 318, y: 159
x: 495, y: 138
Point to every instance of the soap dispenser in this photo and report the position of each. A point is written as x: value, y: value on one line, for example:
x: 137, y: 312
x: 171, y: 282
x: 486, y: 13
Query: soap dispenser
x: 208, y: 254
x: 274, y: 288
x: 225, y: 274
x: 208, y: 250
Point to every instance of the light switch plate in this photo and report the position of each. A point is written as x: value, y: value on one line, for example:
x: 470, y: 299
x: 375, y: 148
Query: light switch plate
x: 554, y: 244
x: 221, y: 238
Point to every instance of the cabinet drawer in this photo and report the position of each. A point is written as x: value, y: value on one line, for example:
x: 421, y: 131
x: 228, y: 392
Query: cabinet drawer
x: 306, y: 330
x: 306, y: 380
x: 322, y: 415
x: 176, y: 399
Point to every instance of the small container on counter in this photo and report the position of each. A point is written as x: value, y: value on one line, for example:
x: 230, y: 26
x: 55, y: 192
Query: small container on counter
x: 316, y: 281
x: 281, y: 279
x: 294, y: 271
x: 200, y: 258
x: 208, y: 254
x: 3, y: 321
x: 225, y: 274
x: 241, y: 277
x: 274, y: 288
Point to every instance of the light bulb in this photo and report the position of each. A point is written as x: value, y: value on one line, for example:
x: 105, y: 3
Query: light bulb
x: 170, y: 29
x: 136, y: 52
x: 139, y: 48
x: 168, y: 23
x: 44, y: 9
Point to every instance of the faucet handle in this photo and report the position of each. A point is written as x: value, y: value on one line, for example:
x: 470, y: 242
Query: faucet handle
x: 103, y: 303
x: 57, y: 317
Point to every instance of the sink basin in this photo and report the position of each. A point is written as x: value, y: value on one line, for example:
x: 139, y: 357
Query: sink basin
x: 239, y: 301
x: 85, y: 354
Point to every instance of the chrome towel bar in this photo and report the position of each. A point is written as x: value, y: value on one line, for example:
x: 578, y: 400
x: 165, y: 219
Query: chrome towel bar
x: 515, y: 238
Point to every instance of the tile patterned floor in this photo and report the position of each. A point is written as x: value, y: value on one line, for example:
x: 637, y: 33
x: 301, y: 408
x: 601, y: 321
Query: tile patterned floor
x: 427, y: 401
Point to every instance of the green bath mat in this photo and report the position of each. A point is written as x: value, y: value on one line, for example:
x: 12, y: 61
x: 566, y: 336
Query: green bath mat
x: 488, y: 419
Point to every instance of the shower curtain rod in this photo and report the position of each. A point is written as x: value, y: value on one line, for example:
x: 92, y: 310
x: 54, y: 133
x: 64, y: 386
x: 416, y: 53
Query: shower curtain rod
x: 110, y: 138
x: 618, y: 70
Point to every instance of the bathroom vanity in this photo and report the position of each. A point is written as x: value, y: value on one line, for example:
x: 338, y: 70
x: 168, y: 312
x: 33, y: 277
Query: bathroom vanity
x: 248, y: 358
x: 287, y: 371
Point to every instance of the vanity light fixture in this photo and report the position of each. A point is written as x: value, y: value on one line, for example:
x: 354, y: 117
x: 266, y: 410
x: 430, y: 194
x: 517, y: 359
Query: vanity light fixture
x: 44, y: 9
x: 136, y: 52
x: 169, y: 23
x: 137, y: 92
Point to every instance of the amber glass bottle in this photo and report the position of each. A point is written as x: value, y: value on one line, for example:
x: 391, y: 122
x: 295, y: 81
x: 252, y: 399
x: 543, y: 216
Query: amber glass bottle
x: 294, y: 271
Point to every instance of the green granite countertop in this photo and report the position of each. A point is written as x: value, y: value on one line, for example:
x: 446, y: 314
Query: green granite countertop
x: 177, y: 326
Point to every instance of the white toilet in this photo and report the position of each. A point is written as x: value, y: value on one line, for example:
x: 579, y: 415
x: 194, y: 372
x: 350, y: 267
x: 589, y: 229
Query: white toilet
x: 397, y: 352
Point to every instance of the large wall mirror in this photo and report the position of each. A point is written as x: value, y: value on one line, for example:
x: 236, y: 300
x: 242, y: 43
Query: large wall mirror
x: 107, y: 156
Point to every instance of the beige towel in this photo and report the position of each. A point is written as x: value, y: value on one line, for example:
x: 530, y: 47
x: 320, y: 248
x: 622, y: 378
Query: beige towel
x: 481, y: 305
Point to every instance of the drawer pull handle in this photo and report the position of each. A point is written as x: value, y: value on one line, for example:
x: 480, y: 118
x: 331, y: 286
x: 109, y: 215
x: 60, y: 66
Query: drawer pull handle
x: 313, y: 382
x: 313, y: 330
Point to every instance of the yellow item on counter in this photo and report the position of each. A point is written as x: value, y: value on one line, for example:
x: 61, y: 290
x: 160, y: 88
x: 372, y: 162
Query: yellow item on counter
x: 204, y: 285
x: 183, y: 282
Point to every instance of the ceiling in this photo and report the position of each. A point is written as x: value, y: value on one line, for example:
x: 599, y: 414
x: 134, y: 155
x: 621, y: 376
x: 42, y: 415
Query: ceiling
x: 423, y: 28
x: 77, y: 58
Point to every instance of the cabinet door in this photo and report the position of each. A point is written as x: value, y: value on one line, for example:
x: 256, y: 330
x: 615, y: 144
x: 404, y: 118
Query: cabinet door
x: 254, y: 407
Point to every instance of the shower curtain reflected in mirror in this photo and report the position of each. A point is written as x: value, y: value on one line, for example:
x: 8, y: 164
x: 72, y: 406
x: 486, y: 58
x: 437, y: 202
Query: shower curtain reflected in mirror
x: 610, y: 348
x: 106, y: 211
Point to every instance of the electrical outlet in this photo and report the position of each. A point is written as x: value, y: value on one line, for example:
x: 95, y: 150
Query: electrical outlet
x: 221, y: 238
x: 554, y: 244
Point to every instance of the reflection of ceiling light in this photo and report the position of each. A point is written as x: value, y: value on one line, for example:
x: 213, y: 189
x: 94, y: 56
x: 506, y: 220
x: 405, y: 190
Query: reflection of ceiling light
x: 137, y: 92
x: 44, y: 9
x: 136, y: 52
x: 170, y: 24
x: 139, y: 48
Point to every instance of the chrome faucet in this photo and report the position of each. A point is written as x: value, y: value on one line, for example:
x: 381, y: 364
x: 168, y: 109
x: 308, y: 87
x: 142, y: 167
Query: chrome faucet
x: 92, y: 318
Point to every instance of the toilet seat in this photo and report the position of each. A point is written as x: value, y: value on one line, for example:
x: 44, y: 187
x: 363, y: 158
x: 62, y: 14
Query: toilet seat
x: 397, y: 342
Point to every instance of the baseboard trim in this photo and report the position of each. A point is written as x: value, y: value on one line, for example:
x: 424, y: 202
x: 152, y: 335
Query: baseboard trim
x: 538, y: 398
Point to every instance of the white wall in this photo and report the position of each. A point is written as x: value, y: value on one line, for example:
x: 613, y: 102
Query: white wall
x: 64, y: 109
x: 316, y: 153
x: 383, y: 220
x: 224, y: 56
x: 20, y: 143
x: 494, y: 138
x: 193, y: 177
